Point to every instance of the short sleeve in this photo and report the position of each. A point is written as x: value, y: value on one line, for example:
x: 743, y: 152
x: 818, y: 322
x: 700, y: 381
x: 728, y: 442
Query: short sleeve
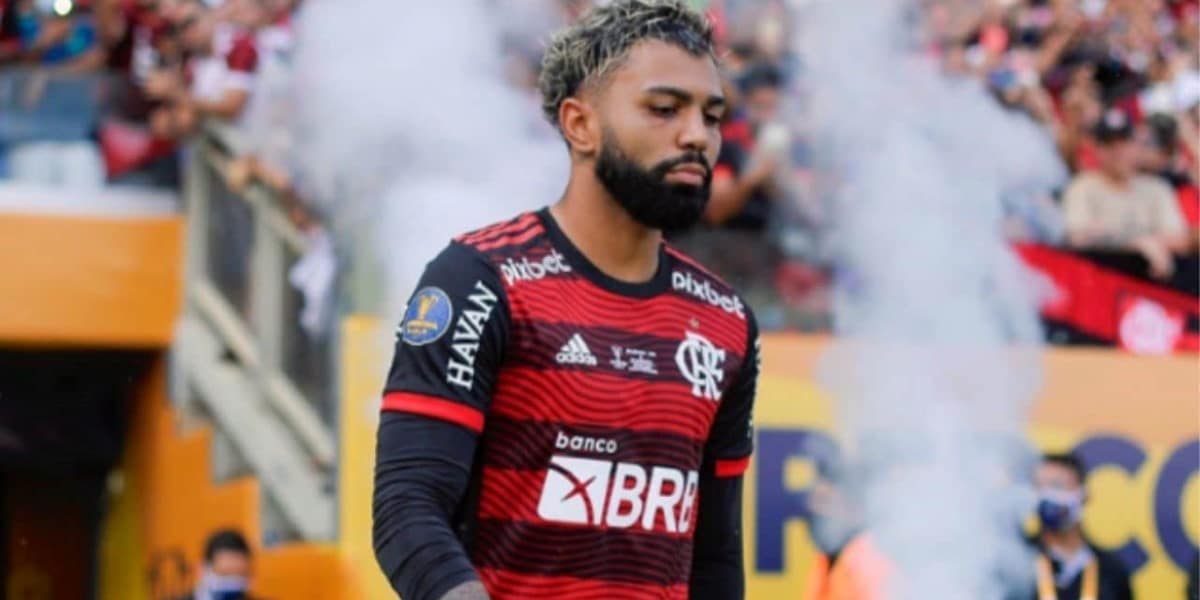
x: 450, y: 343
x: 731, y: 438
x: 241, y: 64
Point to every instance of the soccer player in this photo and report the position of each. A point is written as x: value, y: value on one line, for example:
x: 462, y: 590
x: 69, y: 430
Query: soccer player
x: 568, y: 414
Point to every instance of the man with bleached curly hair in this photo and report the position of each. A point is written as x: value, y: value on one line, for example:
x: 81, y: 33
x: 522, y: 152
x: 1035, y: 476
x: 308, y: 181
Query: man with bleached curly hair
x: 568, y: 413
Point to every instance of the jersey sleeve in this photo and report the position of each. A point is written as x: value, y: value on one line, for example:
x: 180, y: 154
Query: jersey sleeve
x: 731, y: 439
x: 450, y: 343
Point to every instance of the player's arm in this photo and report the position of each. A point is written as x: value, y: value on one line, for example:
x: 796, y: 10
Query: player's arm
x: 717, y: 569
x: 448, y: 350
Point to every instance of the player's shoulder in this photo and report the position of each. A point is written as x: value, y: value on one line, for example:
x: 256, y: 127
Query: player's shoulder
x: 690, y: 278
x: 487, y: 250
x: 503, y: 235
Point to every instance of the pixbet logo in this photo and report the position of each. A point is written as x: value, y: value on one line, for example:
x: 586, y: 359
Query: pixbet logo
x: 527, y: 270
x: 619, y: 495
x: 702, y: 289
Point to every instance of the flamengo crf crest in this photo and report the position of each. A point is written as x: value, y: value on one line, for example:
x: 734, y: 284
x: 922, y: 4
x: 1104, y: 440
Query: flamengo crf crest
x: 699, y: 362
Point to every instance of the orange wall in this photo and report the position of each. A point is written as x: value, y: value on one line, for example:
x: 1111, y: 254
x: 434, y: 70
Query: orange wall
x: 89, y: 281
x: 170, y: 501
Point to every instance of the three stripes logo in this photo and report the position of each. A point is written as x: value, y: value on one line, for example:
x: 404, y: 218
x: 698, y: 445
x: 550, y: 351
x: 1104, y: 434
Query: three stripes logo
x: 576, y: 352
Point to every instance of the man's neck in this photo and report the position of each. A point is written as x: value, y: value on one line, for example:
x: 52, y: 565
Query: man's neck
x: 1117, y: 180
x: 604, y: 232
x: 1066, y: 542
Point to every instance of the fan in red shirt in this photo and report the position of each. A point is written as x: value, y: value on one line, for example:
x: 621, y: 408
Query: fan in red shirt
x: 568, y: 414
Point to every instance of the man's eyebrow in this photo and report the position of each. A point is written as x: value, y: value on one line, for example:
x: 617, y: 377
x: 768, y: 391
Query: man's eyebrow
x: 685, y: 96
x: 716, y: 102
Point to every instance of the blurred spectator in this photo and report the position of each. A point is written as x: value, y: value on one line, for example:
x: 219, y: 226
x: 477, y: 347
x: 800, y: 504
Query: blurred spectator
x: 220, y: 74
x: 265, y: 127
x: 1117, y: 207
x: 1068, y: 567
x: 227, y: 568
x: 54, y: 34
x: 753, y: 148
x: 1059, y: 61
x: 1080, y: 111
x: 1168, y: 157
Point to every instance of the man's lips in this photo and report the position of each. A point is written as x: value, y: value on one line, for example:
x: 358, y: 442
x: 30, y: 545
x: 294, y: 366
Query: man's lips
x: 690, y: 173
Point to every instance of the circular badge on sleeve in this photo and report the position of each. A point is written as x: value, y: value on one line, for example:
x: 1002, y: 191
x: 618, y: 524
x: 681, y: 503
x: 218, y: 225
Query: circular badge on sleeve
x: 427, y: 317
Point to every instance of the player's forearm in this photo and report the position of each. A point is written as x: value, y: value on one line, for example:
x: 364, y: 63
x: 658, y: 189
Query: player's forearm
x: 717, y: 571
x: 421, y: 475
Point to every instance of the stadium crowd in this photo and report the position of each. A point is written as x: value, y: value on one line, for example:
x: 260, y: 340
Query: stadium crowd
x: 1114, y: 83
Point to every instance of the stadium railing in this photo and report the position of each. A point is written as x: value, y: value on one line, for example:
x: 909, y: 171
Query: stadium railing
x: 235, y: 349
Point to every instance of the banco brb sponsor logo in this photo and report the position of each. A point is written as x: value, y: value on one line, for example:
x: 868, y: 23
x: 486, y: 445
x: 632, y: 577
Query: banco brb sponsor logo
x: 619, y: 495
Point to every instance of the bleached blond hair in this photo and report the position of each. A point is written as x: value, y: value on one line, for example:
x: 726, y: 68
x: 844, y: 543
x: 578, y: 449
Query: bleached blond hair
x: 586, y: 52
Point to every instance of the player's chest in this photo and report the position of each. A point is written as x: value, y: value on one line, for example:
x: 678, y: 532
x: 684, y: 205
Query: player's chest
x: 638, y: 358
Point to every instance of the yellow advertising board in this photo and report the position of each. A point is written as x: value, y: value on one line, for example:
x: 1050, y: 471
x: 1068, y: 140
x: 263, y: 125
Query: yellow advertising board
x: 1136, y: 422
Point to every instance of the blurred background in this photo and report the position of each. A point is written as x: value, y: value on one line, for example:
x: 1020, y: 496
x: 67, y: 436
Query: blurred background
x: 211, y: 213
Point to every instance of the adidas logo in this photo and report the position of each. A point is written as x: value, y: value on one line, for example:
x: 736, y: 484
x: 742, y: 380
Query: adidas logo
x: 576, y: 352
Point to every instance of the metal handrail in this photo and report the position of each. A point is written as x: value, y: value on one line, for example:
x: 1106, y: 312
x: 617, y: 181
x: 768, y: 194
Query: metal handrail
x: 259, y: 197
x: 288, y: 438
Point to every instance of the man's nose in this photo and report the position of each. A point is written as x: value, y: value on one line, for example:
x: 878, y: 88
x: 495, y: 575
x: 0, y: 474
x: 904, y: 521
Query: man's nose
x: 694, y: 135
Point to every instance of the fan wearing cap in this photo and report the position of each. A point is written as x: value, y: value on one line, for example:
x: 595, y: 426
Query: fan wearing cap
x: 1117, y: 207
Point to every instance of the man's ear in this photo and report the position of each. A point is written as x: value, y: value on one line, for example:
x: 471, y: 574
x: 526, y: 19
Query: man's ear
x: 580, y: 126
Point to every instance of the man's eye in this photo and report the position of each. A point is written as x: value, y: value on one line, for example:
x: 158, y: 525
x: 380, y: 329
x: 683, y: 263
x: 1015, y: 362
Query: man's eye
x: 663, y: 111
x: 711, y: 120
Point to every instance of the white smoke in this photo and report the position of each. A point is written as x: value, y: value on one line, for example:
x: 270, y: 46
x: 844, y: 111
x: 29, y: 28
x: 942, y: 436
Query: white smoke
x: 937, y: 356
x: 408, y: 133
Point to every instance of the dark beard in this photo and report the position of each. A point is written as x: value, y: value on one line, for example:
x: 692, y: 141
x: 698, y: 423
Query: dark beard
x: 646, y: 195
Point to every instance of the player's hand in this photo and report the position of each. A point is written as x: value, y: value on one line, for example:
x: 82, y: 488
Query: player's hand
x: 471, y: 590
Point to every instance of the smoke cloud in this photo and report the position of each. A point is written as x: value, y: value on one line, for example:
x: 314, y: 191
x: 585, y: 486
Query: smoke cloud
x: 937, y: 354
x: 408, y: 133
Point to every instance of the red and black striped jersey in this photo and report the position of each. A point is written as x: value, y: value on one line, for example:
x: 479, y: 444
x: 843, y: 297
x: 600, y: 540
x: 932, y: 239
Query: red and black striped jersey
x: 598, y: 403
